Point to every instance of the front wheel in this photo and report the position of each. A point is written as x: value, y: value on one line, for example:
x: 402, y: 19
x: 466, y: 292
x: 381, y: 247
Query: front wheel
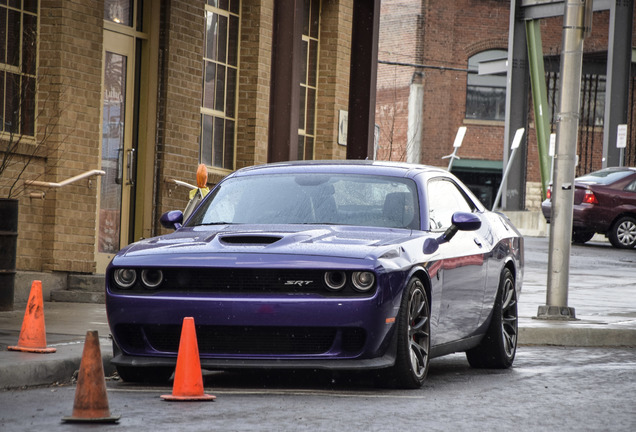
x: 414, y: 337
x: 622, y: 235
x: 153, y: 374
x: 498, y: 347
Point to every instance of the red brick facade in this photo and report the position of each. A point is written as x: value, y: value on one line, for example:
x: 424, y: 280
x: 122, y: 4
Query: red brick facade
x: 442, y: 36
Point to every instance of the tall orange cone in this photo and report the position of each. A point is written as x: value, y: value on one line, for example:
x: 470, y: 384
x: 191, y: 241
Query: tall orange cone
x: 33, y: 333
x: 188, y: 378
x: 91, y: 400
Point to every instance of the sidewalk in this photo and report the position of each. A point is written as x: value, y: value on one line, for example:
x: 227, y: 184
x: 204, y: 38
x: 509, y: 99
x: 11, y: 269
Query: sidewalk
x: 605, y: 308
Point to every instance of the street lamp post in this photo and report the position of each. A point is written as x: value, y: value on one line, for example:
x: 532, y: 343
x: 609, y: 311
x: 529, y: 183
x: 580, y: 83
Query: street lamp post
x: 576, y: 24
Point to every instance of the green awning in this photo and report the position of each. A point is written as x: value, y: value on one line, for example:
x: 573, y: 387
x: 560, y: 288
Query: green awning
x: 477, y: 165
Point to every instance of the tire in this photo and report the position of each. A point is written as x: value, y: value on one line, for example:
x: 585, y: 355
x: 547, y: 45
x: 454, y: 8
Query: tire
x: 622, y: 235
x: 498, y: 347
x: 582, y: 236
x: 153, y: 374
x: 413, y: 338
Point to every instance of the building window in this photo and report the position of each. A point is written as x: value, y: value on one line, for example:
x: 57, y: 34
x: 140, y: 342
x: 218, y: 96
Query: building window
x: 308, y: 80
x: 18, y: 55
x: 485, y: 94
x: 220, y: 81
x: 592, y: 98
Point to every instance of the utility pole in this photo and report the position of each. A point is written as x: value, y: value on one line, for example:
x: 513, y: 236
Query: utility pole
x: 577, y: 21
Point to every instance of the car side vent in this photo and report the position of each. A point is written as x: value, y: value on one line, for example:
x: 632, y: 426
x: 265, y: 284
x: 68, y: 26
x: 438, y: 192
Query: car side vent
x: 250, y: 239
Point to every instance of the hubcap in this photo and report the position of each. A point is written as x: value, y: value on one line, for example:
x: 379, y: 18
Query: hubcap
x: 626, y: 233
x: 509, y: 318
x: 419, y: 332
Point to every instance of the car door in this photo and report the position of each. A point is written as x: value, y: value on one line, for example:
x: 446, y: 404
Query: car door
x: 463, y: 262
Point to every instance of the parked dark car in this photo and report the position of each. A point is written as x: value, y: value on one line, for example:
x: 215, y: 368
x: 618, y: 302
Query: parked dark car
x: 604, y: 203
x: 340, y: 265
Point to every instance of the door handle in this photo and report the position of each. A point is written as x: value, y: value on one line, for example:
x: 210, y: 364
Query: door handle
x: 120, y: 166
x: 130, y: 166
x: 477, y: 242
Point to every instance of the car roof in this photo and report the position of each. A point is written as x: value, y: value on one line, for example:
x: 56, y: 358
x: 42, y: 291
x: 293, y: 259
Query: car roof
x: 398, y: 169
x: 606, y: 176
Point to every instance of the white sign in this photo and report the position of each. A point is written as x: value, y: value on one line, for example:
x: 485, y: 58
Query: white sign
x: 459, y: 137
x: 552, y: 148
x: 517, y: 139
x: 343, y: 123
x: 621, y: 136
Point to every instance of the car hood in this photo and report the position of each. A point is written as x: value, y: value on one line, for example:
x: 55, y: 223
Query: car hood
x: 334, y: 241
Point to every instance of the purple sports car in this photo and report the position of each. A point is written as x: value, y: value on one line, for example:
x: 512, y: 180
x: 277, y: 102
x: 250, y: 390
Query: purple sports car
x: 338, y: 265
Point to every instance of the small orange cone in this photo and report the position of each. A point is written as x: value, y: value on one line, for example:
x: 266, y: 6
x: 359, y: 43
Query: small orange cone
x: 91, y: 400
x: 188, y: 378
x: 33, y: 333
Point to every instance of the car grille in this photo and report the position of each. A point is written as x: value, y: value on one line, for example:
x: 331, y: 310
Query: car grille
x: 218, y: 340
x: 246, y: 281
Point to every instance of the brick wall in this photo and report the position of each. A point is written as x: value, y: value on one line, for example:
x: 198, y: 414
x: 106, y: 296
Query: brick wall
x: 254, y: 82
x: 439, y: 34
x: 59, y: 232
x: 333, y: 76
x: 180, y: 126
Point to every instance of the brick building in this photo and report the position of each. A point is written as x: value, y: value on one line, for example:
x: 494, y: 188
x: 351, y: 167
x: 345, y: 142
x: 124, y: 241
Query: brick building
x: 145, y: 91
x: 428, y: 87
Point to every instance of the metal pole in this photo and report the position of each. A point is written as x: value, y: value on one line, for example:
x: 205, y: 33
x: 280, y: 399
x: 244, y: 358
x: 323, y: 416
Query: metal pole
x: 515, y: 145
x: 565, y: 164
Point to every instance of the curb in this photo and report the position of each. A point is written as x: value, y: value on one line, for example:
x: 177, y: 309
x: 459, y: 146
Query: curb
x: 28, y: 369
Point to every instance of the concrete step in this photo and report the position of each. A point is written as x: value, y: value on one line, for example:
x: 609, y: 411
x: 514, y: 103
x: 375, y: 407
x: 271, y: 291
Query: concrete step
x: 86, y: 282
x: 81, y: 288
x: 69, y: 296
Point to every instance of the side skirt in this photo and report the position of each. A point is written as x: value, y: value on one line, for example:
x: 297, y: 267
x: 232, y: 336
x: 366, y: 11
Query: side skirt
x: 457, y: 346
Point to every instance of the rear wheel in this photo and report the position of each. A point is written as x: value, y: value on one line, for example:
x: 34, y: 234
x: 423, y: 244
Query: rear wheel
x: 623, y: 233
x: 414, y: 337
x: 498, y: 347
x: 581, y: 236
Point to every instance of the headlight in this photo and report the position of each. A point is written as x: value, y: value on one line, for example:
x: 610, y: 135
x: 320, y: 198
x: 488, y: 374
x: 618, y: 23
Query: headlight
x: 125, y: 278
x: 151, y: 278
x: 362, y: 281
x: 335, y: 280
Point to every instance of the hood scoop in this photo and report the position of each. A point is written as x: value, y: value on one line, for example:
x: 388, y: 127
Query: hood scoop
x: 249, y: 239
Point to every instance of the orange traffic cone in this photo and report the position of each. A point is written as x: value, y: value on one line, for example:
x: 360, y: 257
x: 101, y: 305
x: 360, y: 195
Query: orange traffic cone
x: 33, y: 333
x: 91, y: 400
x: 188, y: 379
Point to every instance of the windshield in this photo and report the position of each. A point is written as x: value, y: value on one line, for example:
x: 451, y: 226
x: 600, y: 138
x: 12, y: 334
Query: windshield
x: 604, y: 176
x: 312, y: 199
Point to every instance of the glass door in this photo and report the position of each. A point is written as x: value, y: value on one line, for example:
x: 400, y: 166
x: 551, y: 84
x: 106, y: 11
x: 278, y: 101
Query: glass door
x: 117, y: 151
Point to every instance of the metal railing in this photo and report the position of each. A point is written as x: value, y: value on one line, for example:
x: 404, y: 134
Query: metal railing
x: 68, y: 181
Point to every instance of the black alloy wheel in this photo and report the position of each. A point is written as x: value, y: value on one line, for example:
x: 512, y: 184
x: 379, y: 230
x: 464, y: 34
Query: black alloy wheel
x: 414, y: 337
x: 498, y: 347
x: 622, y: 235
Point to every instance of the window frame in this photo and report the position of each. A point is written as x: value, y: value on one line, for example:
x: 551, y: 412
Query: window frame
x: 226, y: 161
x: 475, y: 81
x: 26, y: 74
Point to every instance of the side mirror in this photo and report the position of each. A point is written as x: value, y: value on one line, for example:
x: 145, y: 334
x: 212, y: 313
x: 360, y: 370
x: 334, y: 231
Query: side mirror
x: 460, y: 222
x: 172, y: 219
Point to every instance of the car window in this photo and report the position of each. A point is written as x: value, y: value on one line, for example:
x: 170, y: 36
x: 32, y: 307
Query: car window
x: 444, y: 199
x: 312, y: 199
x: 604, y: 176
x: 631, y: 187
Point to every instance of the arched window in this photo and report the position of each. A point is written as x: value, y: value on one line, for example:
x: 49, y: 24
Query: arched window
x: 486, y: 93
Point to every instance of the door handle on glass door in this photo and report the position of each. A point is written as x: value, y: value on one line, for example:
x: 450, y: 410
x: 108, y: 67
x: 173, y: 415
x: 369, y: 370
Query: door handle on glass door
x: 130, y: 165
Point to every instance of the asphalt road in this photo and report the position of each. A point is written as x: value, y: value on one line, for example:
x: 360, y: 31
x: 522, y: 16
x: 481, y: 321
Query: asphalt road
x: 549, y: 387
